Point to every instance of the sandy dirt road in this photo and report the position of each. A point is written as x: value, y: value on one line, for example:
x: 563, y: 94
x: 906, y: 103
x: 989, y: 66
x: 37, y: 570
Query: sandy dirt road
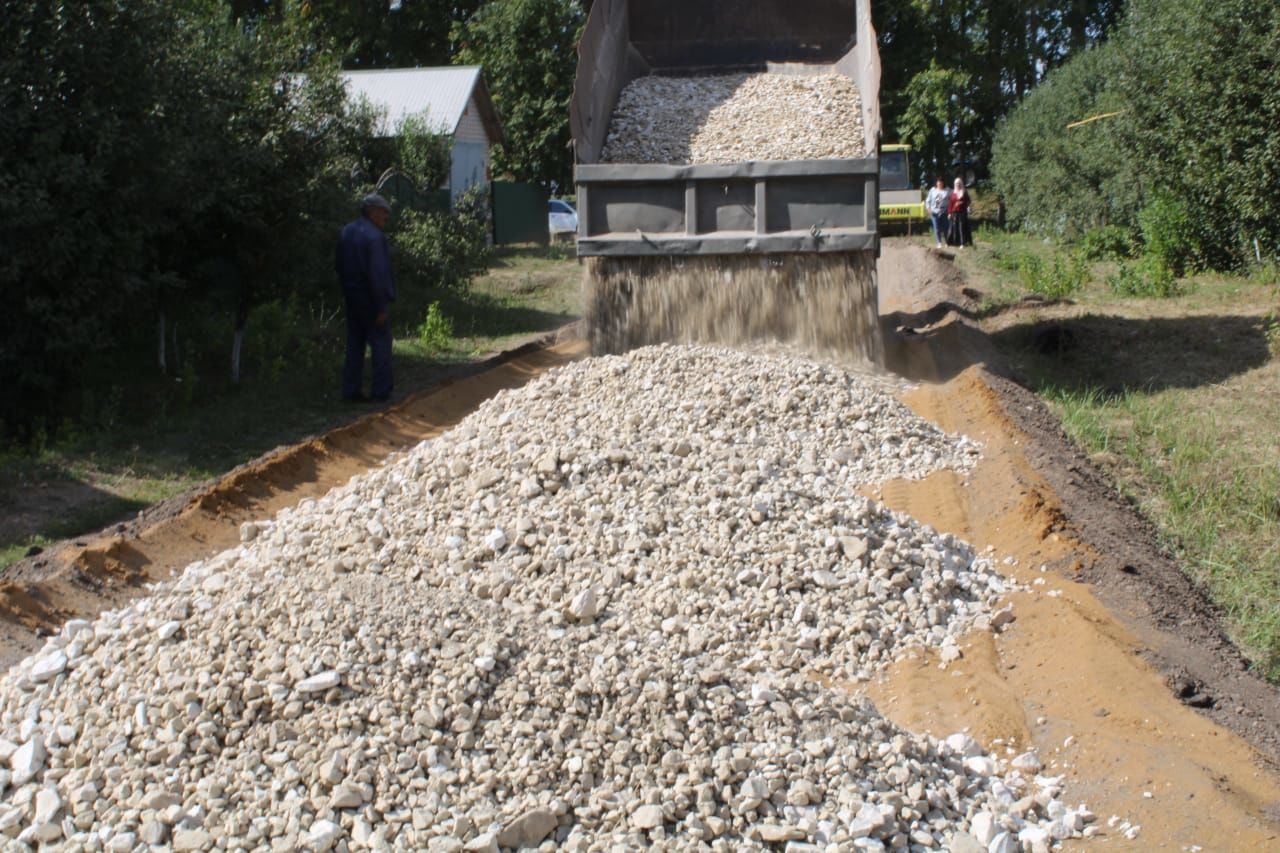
x: 1110, y: 632
x: 1110, y: 641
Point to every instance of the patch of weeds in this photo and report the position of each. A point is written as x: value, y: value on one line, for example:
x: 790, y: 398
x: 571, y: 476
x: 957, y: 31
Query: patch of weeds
x: 559, y: 250
x: 435, y: 333
x: 10, y: 554
x: 1268, y: 275
x: 1056, y: 279
x: 1149, y: 276
x: 1007, y: 258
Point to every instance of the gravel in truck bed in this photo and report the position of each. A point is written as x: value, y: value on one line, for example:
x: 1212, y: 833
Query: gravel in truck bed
x: 735, y: 118
x: 621, y: 607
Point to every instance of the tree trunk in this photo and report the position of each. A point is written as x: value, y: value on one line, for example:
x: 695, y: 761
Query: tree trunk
x: 236, y: 343
x: 242, y: 322
x: 164, y: 366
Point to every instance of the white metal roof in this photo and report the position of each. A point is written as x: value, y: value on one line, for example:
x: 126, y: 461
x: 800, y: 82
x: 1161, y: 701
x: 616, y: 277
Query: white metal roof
x: 442, y: 93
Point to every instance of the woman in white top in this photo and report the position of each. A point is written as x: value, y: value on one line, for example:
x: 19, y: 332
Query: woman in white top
x: 937, y: 205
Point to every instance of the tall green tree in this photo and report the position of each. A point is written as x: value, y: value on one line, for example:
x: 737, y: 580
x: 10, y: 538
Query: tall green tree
x: 1056, y: 179
x: 381, y: 34
x: 369, y: 33
x: 1203, y: 83
x: 528, y: 50
x: 952, y: 68
x: 1192, y: 155
x: 157, y: 159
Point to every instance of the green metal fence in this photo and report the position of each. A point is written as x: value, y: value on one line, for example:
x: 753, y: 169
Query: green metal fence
x: 519, y: 213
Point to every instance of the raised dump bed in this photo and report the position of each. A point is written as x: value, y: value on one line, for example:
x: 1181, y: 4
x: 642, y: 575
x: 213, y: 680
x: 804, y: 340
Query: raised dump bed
x: 727, y: 128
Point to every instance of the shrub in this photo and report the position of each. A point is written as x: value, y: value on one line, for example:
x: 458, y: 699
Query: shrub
x: 436, y: 331
x: 444, y: 250
x: 1167, y: 234
x: 1149, y: 276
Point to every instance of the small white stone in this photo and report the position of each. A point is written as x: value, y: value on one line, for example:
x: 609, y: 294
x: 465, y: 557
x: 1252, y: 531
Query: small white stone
x: 527, y: 830
x: 323, y: 835
x: 74, y: 628
x: 158, y: 800
x: 485, y: 842
x: 585, y: 606
x: 980, y: 765
x: 345, y: 797
x: 984, y: 827
x: 48, y: 804
x: 1002, y: 618
x: 826, y: 580
x: 123, y: 842
x: 1036, y: 838
x: 962, y: 744
x: 496, y: 540
x: 215, y: 583
x: 27, y: 761
x: 319, y: 683
x: 191, y: 840
x: 647, y: 817
x: 48, y: 667
x: 1004, y: 843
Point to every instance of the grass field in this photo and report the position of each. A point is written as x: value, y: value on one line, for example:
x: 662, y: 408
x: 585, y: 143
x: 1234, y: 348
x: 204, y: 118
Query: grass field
x: 1178, y: 399
x: 89, y: 478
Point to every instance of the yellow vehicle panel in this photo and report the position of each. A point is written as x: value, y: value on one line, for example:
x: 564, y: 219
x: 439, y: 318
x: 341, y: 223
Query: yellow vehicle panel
x: 902, y: 212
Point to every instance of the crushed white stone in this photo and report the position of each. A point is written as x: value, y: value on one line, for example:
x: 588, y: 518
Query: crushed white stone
x: 372, y: 670
x: 735, y: 118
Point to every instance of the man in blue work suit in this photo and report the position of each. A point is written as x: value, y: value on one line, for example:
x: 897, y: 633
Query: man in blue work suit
x: 364, y: 271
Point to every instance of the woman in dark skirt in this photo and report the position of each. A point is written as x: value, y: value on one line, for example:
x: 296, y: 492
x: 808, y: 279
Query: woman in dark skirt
x: 958, y: 233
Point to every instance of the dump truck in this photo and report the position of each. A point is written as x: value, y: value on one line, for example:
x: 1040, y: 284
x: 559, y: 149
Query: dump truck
x: 728, y: 234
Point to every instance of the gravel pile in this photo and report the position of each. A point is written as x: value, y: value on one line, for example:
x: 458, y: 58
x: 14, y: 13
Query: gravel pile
x: 618, y: 608
x: 735, y: 118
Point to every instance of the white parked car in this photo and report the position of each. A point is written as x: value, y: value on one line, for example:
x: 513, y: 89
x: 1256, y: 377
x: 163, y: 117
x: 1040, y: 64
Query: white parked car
x: 561, y: 217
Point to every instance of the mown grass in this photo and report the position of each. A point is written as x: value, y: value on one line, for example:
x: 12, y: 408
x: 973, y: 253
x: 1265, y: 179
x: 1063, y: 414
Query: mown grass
x: 1178, y: 400
x: 89, y: 477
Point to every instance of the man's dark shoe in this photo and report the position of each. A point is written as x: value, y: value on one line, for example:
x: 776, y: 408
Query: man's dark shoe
x: 380, y: 398
x: 354, y: 398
